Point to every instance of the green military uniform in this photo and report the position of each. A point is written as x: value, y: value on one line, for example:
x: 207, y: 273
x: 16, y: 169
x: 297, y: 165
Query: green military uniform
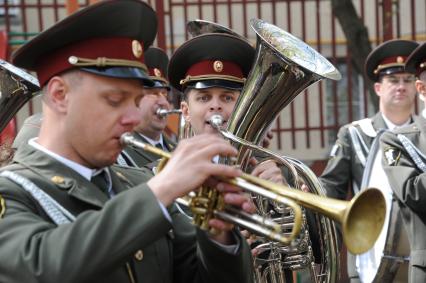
x: 404, y: 162
x: 30, y: 129
x: 345, y: 167
x: 55, y: 225
x: 409, y: 186
x: 139, y: 157
x: 348, y: 156
x: 352, y: 151
x: 108, y: 237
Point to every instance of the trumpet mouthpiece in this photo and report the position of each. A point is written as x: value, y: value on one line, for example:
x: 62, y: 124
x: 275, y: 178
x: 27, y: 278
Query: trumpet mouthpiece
x: 216, y: 121
x: 126, y: 138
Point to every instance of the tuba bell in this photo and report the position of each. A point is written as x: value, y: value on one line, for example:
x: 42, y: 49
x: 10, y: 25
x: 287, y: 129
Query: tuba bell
x: 16, y: 88
x: 284, y: 66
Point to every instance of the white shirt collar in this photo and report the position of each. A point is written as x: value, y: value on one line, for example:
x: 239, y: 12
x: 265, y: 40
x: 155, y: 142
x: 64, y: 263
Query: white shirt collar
x: 86, y: 172
x: 424, y: 113
x: 391, y: 126
x: 153, y: 142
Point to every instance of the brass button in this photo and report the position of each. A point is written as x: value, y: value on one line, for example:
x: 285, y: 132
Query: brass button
x: 139, y: 255
x: 58, y: 180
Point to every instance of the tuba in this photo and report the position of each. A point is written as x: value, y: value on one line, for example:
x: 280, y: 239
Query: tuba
x: 283, y: 68
x: 16, y: 88
x: 199, y: 27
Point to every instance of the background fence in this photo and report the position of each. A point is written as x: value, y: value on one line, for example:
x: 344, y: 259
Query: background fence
x: 307, y: 127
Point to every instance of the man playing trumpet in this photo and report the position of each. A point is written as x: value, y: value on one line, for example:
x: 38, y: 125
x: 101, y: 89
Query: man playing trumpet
x: 150, y: 129
x: 66, y: 214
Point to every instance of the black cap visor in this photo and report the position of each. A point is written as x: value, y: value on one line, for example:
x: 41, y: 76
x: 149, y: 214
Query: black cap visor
x: 121, y: 73
x: 214, y: 83
x: 391, y: 70
x: 159, y: 84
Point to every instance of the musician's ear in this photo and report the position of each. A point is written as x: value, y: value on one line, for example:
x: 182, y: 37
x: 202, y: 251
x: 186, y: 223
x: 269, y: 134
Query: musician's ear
x: 56, y: 93
x: 421, y: 88
x: 185, y: 111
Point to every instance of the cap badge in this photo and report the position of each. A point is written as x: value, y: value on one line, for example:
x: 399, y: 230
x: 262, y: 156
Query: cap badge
x: 218, y: 66
x: 399, y: 59
x: 157, y: 72
x: 137, y: 49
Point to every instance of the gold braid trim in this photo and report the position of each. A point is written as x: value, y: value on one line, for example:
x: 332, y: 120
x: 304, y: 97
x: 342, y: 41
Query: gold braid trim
x: 380, y: 67
x: 130, y: 273
x: 2, y: 206
x: 105, y: 62
x: 212, y: 77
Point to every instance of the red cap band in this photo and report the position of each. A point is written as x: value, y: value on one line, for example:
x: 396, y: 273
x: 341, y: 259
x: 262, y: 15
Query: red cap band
x: 215, y: 68
x: 117, y: 48
x: 393, y: 60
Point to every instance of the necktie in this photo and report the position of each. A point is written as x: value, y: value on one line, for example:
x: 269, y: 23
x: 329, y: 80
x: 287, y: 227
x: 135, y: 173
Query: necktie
x: 101, y: 181
x: 159, y: 145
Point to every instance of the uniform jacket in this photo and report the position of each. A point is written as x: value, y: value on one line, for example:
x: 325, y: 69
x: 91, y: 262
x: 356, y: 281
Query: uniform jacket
x: 139, y: 157
x: 409, y: 185
x: 344, y: 168
x: 111, y: 240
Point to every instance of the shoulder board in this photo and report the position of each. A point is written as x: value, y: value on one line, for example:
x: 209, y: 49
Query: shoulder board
x: 124, y: 172
x: 366, y: 126
x: 412, y: 128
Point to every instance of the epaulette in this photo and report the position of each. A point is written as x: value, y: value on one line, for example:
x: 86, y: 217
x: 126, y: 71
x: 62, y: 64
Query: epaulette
x: 409, y: 129
x: 366, y: 127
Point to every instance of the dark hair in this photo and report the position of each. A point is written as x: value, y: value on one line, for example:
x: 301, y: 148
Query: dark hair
x: 185, y: 93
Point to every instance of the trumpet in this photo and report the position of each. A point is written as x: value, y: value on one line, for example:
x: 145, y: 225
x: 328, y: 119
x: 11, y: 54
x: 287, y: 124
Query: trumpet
x: 362, y: 217
x: 204, y: 209
x: 162, y: 113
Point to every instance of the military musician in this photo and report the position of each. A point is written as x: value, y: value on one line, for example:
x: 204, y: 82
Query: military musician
x: 151, y: 128
x: 404, y: 161
x: 66, y: 215
x: 353, y: 154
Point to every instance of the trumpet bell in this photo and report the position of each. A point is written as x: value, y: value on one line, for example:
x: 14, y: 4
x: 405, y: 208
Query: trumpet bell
x: 360, y: 231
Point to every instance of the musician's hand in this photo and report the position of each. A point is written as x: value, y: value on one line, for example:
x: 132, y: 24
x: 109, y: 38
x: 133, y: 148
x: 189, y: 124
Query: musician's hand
x: 190, y: 166
x: 304, y: 188
x: 235, y: 197
x: 251, y: 239
x: 268, y: 170
x: 267, y: 139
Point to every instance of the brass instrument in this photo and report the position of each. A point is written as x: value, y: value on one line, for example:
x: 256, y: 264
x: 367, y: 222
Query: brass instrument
x: 361, y: 218
x: 162, y: 113
x: 284, y: 66
x: 204, y: 209
x: 16, y: 88
x: 199, y: 27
